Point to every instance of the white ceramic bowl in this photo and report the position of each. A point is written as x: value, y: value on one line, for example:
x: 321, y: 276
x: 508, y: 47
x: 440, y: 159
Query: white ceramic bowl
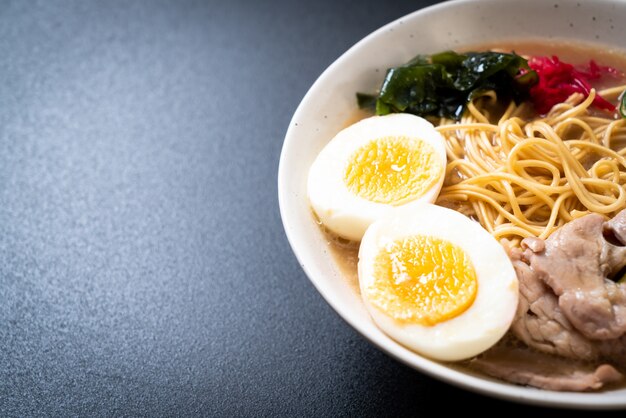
x: 331, y: 102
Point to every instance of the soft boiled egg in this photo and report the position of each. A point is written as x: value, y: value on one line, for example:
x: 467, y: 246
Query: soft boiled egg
x: 373, y: 167
x: 437, y: 282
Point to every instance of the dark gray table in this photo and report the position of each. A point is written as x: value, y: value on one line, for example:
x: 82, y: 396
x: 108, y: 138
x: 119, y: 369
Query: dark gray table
x: 143, y: 265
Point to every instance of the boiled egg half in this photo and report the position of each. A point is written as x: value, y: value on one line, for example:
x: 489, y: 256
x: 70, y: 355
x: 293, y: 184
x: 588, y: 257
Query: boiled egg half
x: 373, y: 167
x: 437, y: 282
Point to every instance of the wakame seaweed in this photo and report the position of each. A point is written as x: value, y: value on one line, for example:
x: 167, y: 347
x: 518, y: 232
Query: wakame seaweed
x: 442, y: 84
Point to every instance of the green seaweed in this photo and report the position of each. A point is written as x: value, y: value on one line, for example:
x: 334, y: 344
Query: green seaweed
x: 442, y: 84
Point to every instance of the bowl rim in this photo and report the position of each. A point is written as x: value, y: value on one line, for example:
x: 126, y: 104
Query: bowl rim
x: 481, y: 385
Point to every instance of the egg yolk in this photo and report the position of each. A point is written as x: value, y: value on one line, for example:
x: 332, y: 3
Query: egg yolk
x: 393, y: 170
x: 423, y: 280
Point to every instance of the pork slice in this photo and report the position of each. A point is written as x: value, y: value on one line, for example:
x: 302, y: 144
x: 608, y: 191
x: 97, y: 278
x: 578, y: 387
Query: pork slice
x: 539, y: 321
x: 527, y: 367
x: 576, y: 263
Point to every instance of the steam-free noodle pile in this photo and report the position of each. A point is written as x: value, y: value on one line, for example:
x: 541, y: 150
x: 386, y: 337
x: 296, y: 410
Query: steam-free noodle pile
x: 523, y: 178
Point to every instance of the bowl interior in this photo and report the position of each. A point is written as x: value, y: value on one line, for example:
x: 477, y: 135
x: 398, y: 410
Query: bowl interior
x: 330, y: 103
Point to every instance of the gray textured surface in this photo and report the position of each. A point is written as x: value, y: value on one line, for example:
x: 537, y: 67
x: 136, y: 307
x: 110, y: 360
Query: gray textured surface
x: 143, y: 265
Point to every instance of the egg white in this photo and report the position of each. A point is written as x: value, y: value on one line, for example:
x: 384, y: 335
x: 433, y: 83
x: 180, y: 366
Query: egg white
x: 490, y: 315
x: 344, y: 212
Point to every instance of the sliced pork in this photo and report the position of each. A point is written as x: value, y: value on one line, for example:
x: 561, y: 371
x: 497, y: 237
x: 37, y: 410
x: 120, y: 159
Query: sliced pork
x: 526, y: 367
x: 541, y: 324
x: 577, y: 262
x: 570, y: 307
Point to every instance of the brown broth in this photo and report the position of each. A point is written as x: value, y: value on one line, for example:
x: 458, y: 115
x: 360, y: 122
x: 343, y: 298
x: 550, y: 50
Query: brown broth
x: 346, y: 256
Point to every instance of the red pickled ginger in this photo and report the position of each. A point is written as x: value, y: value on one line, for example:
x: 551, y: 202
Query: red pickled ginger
x: 558, y: 80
